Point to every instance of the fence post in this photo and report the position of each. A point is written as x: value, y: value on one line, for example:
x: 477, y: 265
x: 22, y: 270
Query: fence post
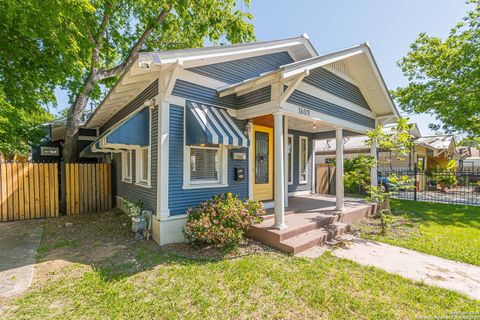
x: 63, y: 189
x: 415, y: 172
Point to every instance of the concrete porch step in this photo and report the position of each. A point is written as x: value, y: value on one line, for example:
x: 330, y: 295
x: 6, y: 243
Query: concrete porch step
x: 313, y: 238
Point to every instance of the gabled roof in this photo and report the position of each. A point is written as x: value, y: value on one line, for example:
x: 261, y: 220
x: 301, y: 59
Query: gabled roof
x: 438, y: 142
x: 149, y: 64
x: 361, y: 63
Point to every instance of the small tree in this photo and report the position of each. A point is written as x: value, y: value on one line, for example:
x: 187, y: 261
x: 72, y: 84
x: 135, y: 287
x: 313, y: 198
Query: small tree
x: 398, y: 142
x: 355, y: 177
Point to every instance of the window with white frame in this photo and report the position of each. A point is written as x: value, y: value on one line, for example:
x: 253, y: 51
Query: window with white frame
x: 303, y: 159
x: 143, y: 166
x: 205, y: 166
x: 290, y: 158
x: 127, y: 166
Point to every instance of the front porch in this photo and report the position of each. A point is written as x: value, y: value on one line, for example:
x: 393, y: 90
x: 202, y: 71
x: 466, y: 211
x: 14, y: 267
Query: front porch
x: 310, y: 221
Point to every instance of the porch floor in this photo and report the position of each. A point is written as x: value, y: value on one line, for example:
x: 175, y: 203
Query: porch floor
x: 311, y: 220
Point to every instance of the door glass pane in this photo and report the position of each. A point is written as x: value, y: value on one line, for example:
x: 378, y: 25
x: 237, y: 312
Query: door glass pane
x: 303, y: 160
x: 203, y: 164
x: 261, y: 157
x: 290, y: 159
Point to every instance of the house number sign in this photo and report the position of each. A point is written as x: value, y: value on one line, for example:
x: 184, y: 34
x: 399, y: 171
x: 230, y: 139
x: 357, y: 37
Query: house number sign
x: 303, y: 111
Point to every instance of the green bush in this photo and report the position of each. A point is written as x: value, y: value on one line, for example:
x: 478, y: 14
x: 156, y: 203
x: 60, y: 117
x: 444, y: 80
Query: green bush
x: 222, y: 220
x: 356, y: 173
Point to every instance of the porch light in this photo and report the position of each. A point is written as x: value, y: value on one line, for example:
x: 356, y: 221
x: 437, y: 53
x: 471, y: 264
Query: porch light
x: 314, y: 125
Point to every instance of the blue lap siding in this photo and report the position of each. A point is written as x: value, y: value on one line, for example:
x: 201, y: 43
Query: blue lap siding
x: 242, y: 69
x: 180, y: 200
x: 131, y: 191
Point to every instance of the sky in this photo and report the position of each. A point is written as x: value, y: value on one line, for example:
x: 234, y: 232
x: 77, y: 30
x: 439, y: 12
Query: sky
x: 389, y: 26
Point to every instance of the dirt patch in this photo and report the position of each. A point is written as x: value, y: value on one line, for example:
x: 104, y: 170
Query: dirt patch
x: 104, y: 242
x: 398, y: 228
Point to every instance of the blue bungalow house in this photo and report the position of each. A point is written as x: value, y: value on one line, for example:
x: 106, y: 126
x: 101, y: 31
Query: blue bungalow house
x: 183, y: 125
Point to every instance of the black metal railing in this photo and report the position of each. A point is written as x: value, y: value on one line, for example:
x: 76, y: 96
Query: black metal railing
x: 440, y: 186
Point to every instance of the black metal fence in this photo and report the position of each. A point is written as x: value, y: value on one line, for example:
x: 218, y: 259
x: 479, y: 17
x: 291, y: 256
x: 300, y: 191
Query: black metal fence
x: 440, y: 186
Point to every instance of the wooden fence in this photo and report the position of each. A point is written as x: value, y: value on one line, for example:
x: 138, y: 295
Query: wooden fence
x: 325, y: 179
x: 28, y: 191
x: 39, y: 190
x: 88, y: 187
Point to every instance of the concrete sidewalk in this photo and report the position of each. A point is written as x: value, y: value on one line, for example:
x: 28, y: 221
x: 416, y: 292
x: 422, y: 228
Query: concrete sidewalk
x: 448, y: 274
x: 18, y: 249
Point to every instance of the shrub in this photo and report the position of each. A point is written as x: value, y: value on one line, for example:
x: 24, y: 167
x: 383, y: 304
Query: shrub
x: 222, y: 220
x: 356, y: 173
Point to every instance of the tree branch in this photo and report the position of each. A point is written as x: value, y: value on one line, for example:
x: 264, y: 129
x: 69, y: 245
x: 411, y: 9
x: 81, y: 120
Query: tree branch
x: 108, y: 73
x: 101, y: 35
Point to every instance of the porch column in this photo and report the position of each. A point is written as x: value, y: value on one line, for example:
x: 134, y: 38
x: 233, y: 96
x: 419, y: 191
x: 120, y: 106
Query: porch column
x: 286, y: 164
x: 279, y: 172
x: 339, y: 169
x: 374, y: 170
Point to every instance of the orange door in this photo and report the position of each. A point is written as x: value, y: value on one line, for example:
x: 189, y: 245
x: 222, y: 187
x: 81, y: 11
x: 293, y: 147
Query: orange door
x: 262, y: 163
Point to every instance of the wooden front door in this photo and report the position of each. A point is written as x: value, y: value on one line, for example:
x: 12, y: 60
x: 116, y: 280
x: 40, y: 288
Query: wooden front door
x: 262, y: 163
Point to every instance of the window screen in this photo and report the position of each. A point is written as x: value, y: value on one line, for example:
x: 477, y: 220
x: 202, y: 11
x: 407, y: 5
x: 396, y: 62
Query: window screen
x: 144, y: 157
x: 203, y: 164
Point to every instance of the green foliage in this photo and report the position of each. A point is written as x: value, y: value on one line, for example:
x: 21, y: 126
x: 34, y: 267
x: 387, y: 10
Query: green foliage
x: 444, y: 76
x: 446, y: 175
x: 46, y: 44
x: 222, y: 220
x: 398, y: 140
x: 381, y: 195
x: 357, y: 173
x: 133, y: 208
x: 18, y: 128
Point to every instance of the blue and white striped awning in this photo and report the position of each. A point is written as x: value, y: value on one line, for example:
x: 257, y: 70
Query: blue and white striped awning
x: 211, y: 125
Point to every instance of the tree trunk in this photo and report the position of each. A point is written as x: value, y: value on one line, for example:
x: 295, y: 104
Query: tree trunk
x: 74, y: 118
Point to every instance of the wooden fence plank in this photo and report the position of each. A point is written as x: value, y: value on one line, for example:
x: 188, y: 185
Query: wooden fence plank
x: 51, y: 190
x: 77, y: 193
x: 4, y: 194
x: 15, y: 191
x: 9, y: 191
x: 94, y: 188
x: 81, y: 189
x: 36, y: 188
x: 102, y: 187
x: 85, y: 187
x: 31, y: 190
x: 43, y: 209
x: 46, y: 198
x: 26, y: 190
x: 55, y: 182
x: 21, y: 200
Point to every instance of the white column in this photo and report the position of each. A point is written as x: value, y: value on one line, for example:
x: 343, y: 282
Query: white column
x: 314, y: 173
x: 374, y: 169
x: 251, y: 174
x: 279, y: 176
x: 163, y: 158
x: 285, y: 145
x: 339, y: 169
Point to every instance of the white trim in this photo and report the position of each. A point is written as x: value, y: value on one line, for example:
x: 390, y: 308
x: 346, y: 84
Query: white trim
x: 324, y: 95
x: 163, y: 158
x: 250, y: 160
x: 222, y: 169
x: 125, y: 170
x: 300, y: 181
x: 290, y: 159
x: 139, y: 159
x: 292, y: 110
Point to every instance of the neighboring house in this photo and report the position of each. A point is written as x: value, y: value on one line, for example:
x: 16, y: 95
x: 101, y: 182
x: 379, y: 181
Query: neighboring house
x: 51, y: 146
x: 183, y: 125
x: 355, y: 146
x: 440, y: 150
x: 429, y: 153
x: 469, y: 158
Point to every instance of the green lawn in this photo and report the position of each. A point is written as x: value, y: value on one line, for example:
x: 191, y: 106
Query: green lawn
x: 107, y: 275
x: 447, y: 231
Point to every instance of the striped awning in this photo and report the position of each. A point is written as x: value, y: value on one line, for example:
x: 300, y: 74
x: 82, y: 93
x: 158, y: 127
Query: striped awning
x: 206, y: 124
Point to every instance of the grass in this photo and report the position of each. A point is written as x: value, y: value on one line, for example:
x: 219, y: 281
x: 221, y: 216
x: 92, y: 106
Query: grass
x: 139, y: 280
x: 445, y: 230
